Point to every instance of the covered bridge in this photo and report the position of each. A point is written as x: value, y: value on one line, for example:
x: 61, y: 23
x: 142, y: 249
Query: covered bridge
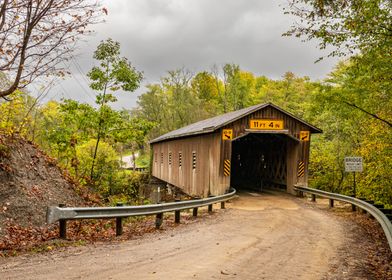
x: 257, y: 147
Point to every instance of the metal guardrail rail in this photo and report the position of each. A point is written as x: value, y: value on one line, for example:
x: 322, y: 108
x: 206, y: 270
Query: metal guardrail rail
x: 61, y: 214
x: 372, y: 210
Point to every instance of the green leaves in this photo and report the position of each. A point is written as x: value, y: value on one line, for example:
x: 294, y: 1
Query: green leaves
x: 68, y: 130
x: 125, y: 76
x: 108, y: 50
x: 114, y: 72
x: 98, y: 77
x: 354, y: 105
x: 348, y: 26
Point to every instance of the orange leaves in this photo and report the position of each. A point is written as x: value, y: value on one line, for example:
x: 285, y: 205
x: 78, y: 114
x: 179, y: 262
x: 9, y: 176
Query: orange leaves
x: 18, y: 238
x: 21, y: 239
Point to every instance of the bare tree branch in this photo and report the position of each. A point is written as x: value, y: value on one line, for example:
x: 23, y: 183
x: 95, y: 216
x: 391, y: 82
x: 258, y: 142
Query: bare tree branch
x: 35, y: 36
x: 367, y: 112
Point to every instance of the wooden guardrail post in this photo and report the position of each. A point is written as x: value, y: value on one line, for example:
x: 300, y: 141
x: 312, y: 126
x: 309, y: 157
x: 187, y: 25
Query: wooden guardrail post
x: 119, y: 226
x: 158, y: 220
x: 210, y: 206
x: 177, y: 213
x: 222, y: 205
x: 313, y: 198
x: 63, y: 225
x: 195, y: 212
x: 331, y: 203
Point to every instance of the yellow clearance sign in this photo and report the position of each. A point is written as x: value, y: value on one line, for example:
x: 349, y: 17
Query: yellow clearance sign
x: 266, y: 124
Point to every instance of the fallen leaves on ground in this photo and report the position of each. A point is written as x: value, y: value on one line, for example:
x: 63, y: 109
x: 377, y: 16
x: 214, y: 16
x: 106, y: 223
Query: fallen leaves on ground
x: 19, y: 239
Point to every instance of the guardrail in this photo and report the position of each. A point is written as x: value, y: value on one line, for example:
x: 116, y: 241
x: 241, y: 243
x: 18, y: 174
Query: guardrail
x: 372, y: 210
x: 62, y: 214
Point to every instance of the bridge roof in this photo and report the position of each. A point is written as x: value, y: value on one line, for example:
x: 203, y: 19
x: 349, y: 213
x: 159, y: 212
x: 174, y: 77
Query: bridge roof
x: 212, y: 124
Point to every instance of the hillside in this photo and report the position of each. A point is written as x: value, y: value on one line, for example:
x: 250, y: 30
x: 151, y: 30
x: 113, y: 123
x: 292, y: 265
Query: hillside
x: 29, y: 182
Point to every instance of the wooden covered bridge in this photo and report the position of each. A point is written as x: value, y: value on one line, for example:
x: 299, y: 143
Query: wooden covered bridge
x: 257, y: 147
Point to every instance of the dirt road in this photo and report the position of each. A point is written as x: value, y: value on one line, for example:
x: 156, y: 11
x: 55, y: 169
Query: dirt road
x: 269, y: 236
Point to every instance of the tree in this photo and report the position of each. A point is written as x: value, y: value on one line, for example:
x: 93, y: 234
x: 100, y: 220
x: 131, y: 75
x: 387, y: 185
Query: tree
x: 204, y: 85
x: 131, y: 132
x: 360, y: 27
x: 112, y: 74
x: 184, y: 105
x: 35, y: 36
x: 152, y: 106
x: 237, y: 87
x: 347, y: 25
x: 106, y: 161
x: 15, y: 113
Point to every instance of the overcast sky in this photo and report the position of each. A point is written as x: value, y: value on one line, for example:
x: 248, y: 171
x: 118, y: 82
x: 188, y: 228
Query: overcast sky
x: 161, y: 35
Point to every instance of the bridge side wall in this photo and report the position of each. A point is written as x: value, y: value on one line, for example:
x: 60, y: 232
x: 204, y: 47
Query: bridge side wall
x: 190, y: 164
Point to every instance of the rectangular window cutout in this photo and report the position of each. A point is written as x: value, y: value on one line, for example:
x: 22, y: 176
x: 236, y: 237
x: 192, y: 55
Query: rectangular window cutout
x: 161, y: 158
x: 180, y: 159
x: 193, y: 160
x: 170, y: 158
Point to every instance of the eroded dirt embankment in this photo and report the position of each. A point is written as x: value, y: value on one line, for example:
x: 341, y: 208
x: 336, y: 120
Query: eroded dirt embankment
x: 29, y: 182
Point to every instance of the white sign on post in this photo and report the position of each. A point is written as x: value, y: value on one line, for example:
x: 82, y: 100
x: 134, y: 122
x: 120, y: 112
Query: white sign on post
x: 353, y: 164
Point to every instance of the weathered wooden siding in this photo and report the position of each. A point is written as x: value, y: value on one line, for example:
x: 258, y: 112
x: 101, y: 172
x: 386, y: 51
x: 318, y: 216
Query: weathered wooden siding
x: 199, y: 155
x: 208, y: 177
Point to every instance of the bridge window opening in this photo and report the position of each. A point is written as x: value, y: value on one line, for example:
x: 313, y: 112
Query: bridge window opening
x: 170, y: 158
x: 259, y: 162
x: 155, y: 157
x: 161, y: 158
x: 180, y: 159
x: 193, y: 160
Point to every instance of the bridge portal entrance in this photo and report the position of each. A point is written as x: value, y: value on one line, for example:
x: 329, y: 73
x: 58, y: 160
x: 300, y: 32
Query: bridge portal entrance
x: 259, y: 161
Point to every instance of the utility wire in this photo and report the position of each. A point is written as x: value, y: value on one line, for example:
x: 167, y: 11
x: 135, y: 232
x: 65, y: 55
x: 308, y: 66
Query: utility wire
x: 80, y: 70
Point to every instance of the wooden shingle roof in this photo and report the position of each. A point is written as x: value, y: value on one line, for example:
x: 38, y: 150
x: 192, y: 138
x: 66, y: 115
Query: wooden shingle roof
x: 212, y: 124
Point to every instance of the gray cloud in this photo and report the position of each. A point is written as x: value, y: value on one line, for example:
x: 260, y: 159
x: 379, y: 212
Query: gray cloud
x: 161, y: 35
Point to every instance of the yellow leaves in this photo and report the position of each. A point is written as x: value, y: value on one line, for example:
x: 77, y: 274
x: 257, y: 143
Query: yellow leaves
x: 15, y: 117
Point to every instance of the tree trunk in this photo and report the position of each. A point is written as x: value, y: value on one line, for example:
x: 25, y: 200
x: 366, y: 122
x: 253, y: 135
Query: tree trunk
x: 96, y: 148
x: 134, y: 161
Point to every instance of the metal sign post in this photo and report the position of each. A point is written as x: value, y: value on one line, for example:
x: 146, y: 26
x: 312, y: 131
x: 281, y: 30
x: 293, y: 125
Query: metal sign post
x: 353, y: 164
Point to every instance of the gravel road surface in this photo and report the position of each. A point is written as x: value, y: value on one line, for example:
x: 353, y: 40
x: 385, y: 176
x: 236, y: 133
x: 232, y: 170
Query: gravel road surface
x: 259, y: 236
